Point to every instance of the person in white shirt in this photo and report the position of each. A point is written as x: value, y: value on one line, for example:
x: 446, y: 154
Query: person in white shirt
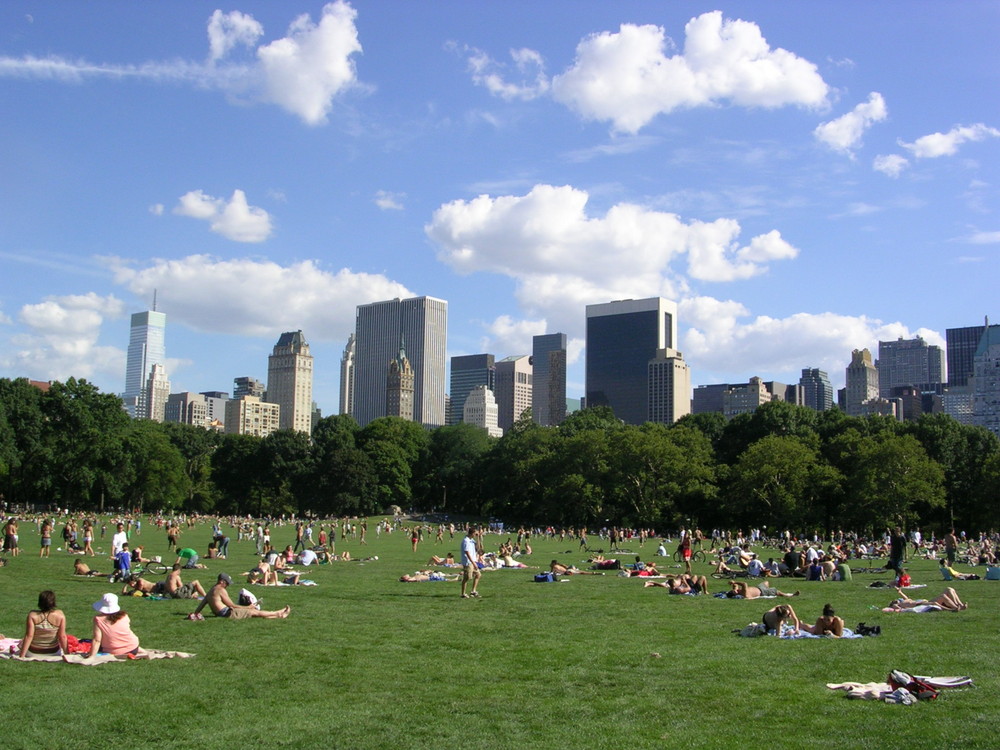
x: 118, y: 539
x: 470, y: 563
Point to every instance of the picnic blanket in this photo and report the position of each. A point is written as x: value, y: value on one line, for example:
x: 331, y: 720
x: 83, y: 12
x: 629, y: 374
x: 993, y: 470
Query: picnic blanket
x: 874, y: 691
x: 788, y: 632
x: 86, y: 661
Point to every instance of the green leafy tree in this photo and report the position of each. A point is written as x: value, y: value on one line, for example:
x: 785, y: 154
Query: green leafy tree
x: 196, y: 446
x: 396, y: 448
x: 25, y: 450
x: 152, y: 474
x: 452, y: 457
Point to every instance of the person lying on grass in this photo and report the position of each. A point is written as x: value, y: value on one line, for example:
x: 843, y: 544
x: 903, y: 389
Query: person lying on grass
x: 138, y: 586
x: 827, y: 624
x: 447, y: 561
x: 946, y: 568
x: 948, y: 599
x: 427, y: 575
x: 80, y: 568
x: 682, y: 584
x: 222, y: 605
x: 569, y: 570
x: 741, y: 589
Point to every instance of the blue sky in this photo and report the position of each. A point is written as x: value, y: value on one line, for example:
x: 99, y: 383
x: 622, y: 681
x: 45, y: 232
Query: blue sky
x: 803, y: 179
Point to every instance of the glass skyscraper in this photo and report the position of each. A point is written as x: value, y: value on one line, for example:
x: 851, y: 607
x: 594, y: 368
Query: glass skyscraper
x: 146, y: 347
x: 467, y: 372
x: 622, y: 338
x: 548, y: 362
x: 961, y: 344
x: 420, y: 322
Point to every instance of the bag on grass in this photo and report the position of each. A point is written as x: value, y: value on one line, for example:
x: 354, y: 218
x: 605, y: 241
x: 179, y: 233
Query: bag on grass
x: 247, y: 599
x: 923, y: 690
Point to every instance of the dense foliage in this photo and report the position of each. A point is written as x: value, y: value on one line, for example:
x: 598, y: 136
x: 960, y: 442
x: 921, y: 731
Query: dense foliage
x: 782, y: 467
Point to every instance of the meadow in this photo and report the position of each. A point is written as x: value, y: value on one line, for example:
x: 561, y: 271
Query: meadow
x: 365, y: 661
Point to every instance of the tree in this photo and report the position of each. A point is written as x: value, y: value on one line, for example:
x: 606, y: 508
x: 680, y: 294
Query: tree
x: 25, y: 451
x: 152, y: 474
x: 196, y: 446
x: 451, y: 481
x: 395, y: 447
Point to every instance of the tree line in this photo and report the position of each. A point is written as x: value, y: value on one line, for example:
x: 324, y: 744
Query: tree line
x: 783, y: 466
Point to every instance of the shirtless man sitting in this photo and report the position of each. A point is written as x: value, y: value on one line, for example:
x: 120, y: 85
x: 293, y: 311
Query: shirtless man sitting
x: 222, y: 605
x: 740, y: 588
x: 80, y: 568
x: 177, y: 589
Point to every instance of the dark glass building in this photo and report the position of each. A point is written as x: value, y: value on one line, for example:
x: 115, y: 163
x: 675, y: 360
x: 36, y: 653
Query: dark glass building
x: 548, y: 395
x: 622, y: 337
x: 961, y: 346
x: 467, y: 372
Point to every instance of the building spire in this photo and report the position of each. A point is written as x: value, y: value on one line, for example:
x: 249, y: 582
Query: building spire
x: 154, y: 300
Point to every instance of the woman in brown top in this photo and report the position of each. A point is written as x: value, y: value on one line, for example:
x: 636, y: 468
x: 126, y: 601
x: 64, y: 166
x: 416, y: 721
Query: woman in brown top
x: 45, y: 630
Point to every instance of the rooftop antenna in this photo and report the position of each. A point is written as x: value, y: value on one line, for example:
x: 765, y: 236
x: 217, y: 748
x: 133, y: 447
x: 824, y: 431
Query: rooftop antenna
x: 154, y: 300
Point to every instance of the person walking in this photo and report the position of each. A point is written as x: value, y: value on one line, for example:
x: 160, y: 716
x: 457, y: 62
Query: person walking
x: 471, y: 551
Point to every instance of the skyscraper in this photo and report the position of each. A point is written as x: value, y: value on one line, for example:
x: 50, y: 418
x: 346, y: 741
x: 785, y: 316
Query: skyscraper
x: 146, y: 347
x: 548, y: 364
x: 513, y: 389
x: 399, y: 387
x: 622, y: 337
x: 482, y: 411
x: 187, y: 408
x: 986, y: 377
x: 247, y: 386
x: 908, y: 362
x: 289, y: 381
x: 669, y: 387
x: 157, y: 393
x: 423, y: 323
x: 961, y: 345
x: 467, y: 372
x: 861, y: 383
x: 817, y: 392
x: 347, y: 377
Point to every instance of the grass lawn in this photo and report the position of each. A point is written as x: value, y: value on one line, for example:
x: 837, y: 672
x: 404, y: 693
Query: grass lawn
x: 367, y: 662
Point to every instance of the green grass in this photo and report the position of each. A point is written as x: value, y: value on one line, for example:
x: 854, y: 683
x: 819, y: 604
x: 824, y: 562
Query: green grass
x: 367, y: 662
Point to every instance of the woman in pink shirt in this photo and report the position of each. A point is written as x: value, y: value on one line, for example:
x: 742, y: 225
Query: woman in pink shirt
x: 112, y: 629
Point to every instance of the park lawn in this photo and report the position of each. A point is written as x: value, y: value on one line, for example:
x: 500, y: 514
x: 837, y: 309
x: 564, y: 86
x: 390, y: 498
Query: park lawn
x: 367, y: 662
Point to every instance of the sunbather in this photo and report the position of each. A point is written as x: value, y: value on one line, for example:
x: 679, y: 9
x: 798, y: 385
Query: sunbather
x: 741, y: 589
x: 80, y: 568
x: 775, y: 617
x: 222, y: 605
x: 948, y: 599
x: 428, y: 575
x: 828, y: 624
x: 682, y: 584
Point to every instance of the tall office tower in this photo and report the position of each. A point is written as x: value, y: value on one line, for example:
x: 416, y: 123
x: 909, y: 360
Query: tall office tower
x: 399, y: 387
x: 744, y: 399
x: 792, y: 394
x: 146, y: 347
x: 215, y: 408
x: 187, y: 408
x: 908, y: 362
x: 467, y: 372
x: 247, y: 387
x: 986, y: 376
x: 290, y: 381
x: 548, y: 364
x: 423, y: 323
x: 513, y: 389
x: 248, y: 415
x: 960, y: 347
x: 347, y: 377
x: 861, y: 383
x: 482, y: 411
x: 669, y: 387
x: 157, y: 393
x: 622, y: 337
x: 817, y: 393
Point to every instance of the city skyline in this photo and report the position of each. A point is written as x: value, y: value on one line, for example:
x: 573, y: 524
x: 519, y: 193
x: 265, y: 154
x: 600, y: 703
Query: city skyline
x: 803, y: 180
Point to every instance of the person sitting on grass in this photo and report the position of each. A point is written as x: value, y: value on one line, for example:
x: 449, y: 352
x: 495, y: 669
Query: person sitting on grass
x: 80, y: 568
x: 112, y: 630
x: 447, y: 561
x: 739, y: 589
x: 948, y: 599
x: 775, y: 617
x: 827, y: 624
x: 222, y: 605
x: 902, y: 579
x: 177, y: 589
x: 45, y: 629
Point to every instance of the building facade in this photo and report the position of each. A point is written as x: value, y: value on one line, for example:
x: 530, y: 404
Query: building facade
x: 347, y: 377
x: 187, y: 408
x: 467, y: 372
x: 146, y: 347
x: 986, y: 377
x: 669, y: 380
x: 247, y: 386
x: 513, y: 389
x: 249, y: 415
x: 744, y: 399
x: 861, y: 383
x: 399, y: 387
x: 622, y: 338
x: 290, y: 380
x: 482, y: 411
x: 548, y: 364
x: 215, y: 408
x: 960, y: 352
x: 817, y: 392
x: 423, y: 323
x: 157, y: 393
x: 908, y: 362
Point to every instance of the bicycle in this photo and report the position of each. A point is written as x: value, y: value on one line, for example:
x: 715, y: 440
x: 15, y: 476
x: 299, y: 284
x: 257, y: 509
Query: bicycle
x: 697, y: 556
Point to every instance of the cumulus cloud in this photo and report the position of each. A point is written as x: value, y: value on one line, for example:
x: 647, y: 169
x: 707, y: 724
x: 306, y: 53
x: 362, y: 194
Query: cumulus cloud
x: 626, y: 77
x: 890, y: 164
x: 60, y: 339
x: 256, y: 297
x: 722, y: 332
x: 983, y: 238
x: 302, y: 72
x: 389, y: 201
x: 946, y: 144
x: 507, y: 334
x: 844, y: 133
x: 233, y: 219
x: 489, y: 73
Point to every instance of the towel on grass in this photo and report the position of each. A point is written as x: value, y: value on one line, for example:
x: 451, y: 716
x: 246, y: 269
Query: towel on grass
x: 100, y: 658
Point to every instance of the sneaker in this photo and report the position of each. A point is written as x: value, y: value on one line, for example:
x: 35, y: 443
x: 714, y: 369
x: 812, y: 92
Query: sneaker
x: 465, y: 596
x: 474, y: 595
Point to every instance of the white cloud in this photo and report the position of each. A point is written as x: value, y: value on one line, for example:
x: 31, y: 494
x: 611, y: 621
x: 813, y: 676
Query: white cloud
x: 227, y: 30
x: 61, y: 339
x: 725, y: 341
x: 156, y: 209
x: 505, y: 334
x: 890, y: 164
x: 627, y: 79
x: 844, y: 133
x: 984, y: 238
x: 562, y: 259
x: 946, y: 144
x: 302, y: 72
x: 256, y: 297
x: 234, y: 220
x: 389, y: 201
x: 489, y: 73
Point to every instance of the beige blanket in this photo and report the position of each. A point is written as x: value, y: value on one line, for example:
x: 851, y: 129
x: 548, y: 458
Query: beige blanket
x: 100, y: 658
